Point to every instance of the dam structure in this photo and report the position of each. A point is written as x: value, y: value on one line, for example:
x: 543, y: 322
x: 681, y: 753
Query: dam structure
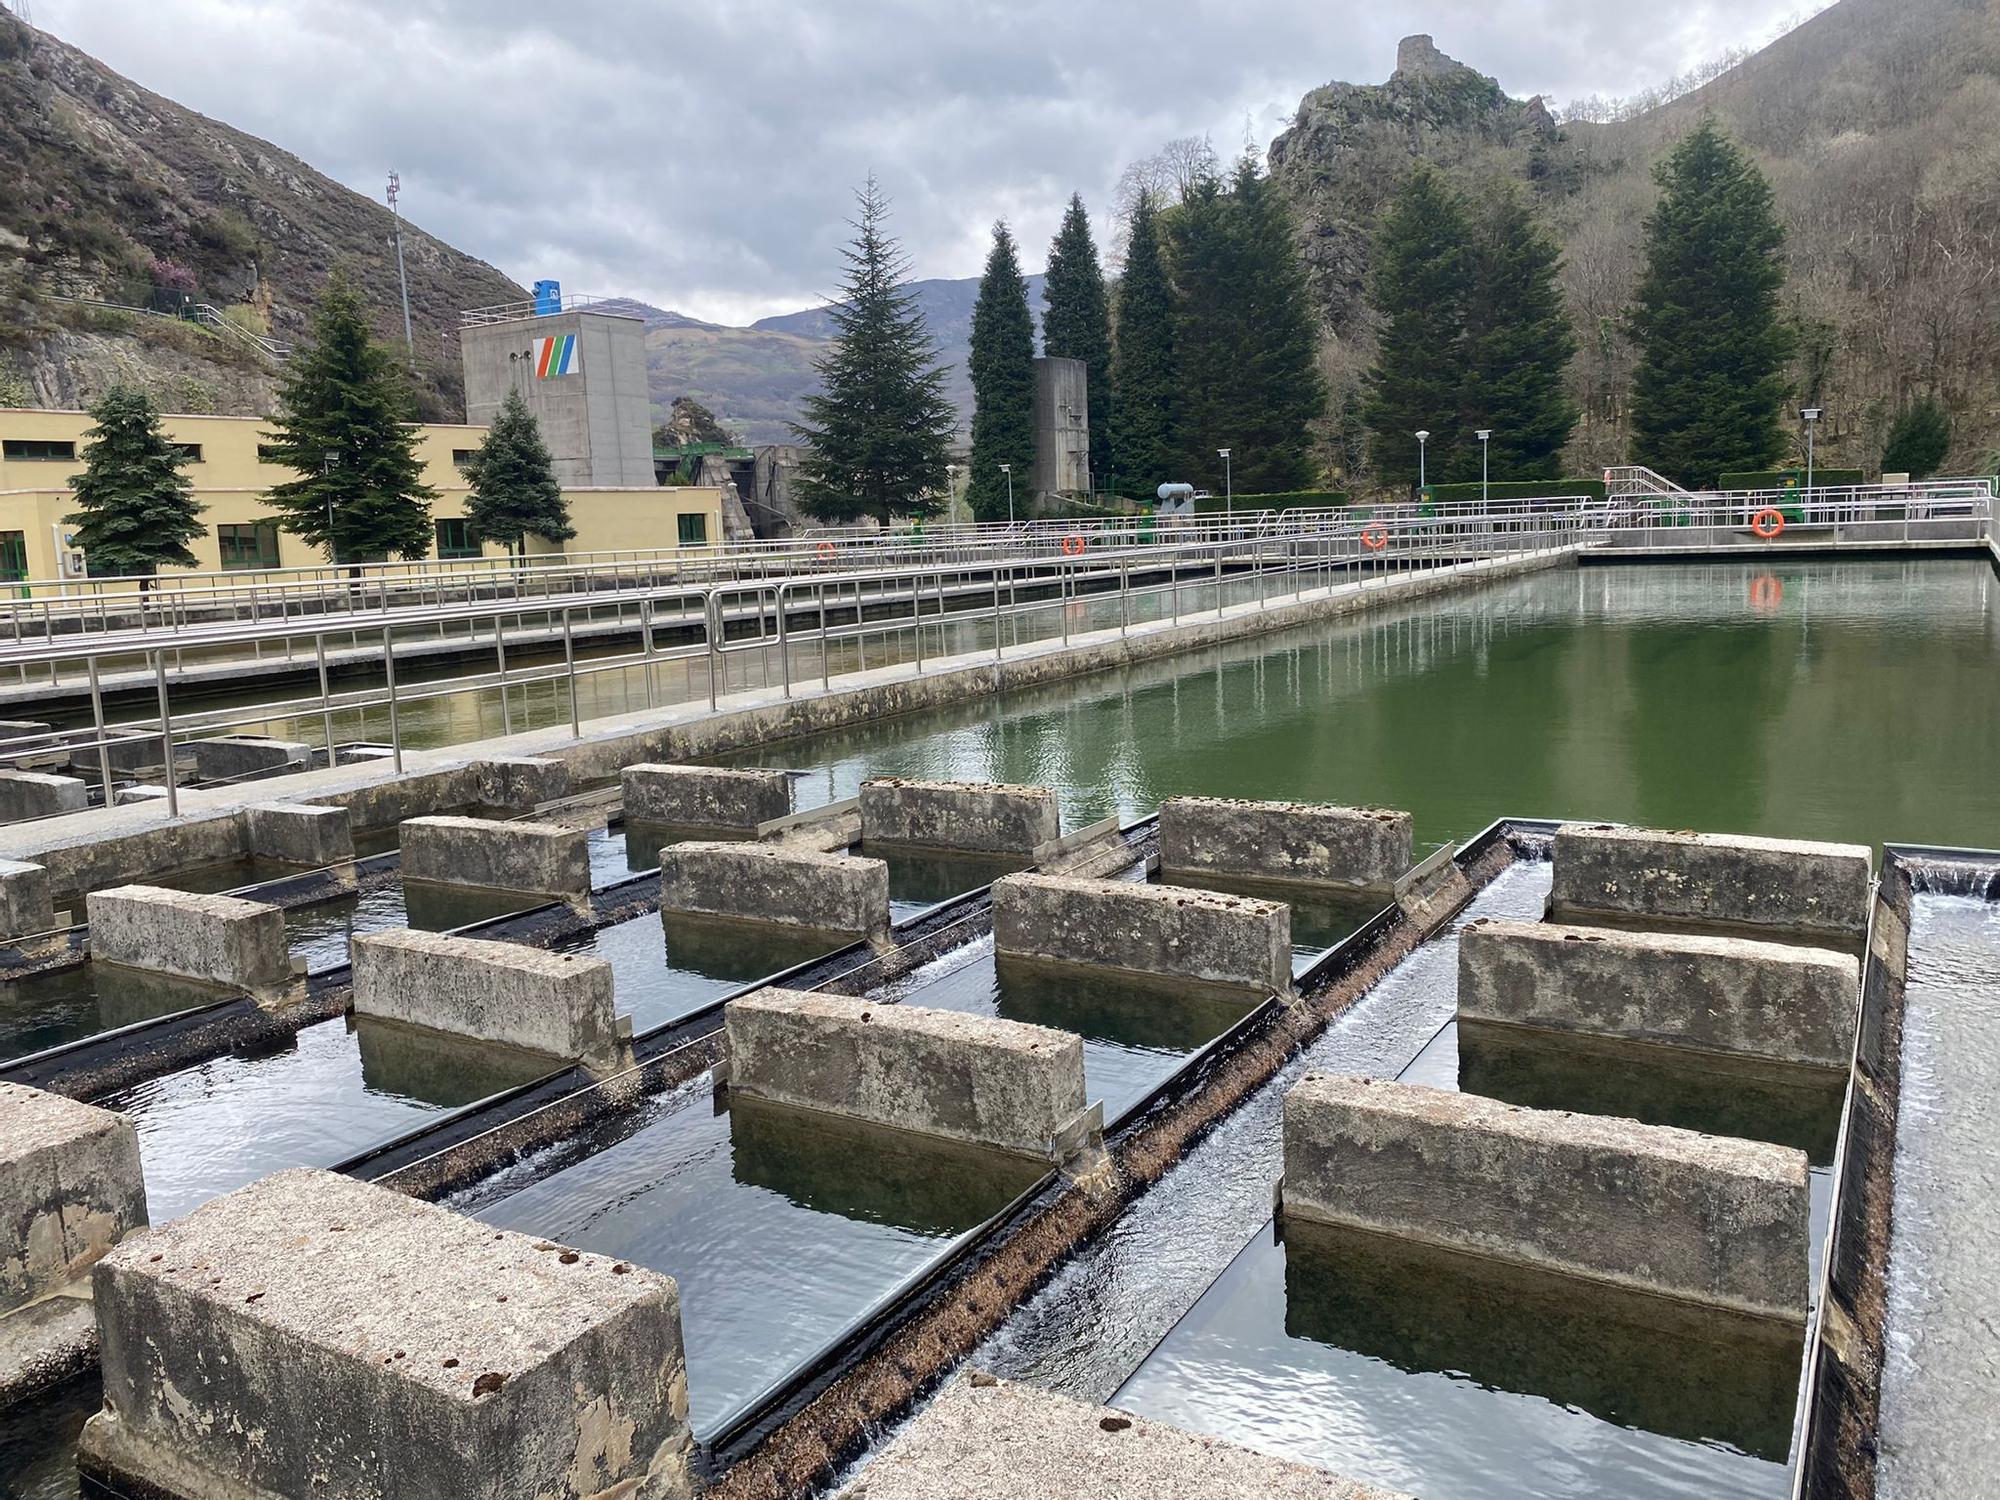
x: 1238, y: 1013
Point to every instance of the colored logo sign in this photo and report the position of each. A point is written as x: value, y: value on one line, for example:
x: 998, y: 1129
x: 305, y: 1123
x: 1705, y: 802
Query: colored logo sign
x: 557, y: 356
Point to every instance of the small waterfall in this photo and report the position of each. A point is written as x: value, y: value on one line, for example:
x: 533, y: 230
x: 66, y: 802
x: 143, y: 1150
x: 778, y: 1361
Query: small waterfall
x: 1939, y: 875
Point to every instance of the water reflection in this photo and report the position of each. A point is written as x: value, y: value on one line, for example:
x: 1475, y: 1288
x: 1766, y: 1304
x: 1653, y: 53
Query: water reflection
x: 67, y: 1005
x: 434, y: 1067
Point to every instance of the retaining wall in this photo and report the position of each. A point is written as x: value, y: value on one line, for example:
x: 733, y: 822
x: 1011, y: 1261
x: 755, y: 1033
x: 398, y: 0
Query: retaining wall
x: 1306, y: 843
x: 217, y: 939
x: 538, y: 858
x: 834, y: 893
x: 969, y: 816
x: 705, y: 796
x: 1171, y: 931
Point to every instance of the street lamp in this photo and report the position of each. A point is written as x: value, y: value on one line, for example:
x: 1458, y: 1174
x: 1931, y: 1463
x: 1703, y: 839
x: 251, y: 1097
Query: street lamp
x: 1484, y: 435
x: 1228, y: 487
x: 329, y: 461
x: 1810, y: 415
x: 1008, y: 470
x: 1423, y: 442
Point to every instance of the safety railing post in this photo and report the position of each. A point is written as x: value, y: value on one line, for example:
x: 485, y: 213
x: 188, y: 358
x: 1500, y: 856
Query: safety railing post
x: 1124, y: 598
x: 166, y: 735
x: 652, y: 669
x: 996, y: 610
x: 708, y: 619
x: 395, y: 718
x: 325, y: 698
x: 569, y: 670
x: 97, y: 719
x: 785, y: 638
x: 500, y: 662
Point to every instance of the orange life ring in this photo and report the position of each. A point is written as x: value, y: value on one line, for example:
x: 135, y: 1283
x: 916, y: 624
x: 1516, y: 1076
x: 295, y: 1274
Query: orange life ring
x: 825, y: 549
x: 1768, y: 522
x: 1073, y: 546
x: 1375, y: 536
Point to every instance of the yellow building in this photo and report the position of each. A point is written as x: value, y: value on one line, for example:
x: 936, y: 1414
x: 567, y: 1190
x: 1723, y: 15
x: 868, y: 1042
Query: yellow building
x: 39, y: 450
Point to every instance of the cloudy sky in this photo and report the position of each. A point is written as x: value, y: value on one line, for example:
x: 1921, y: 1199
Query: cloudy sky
x: 699, y: 154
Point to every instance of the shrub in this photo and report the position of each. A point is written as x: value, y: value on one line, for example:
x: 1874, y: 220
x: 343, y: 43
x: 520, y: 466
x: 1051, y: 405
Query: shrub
x: 1920, y: 439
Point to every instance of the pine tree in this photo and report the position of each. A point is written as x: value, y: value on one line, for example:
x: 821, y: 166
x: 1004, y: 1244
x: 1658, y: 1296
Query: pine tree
x: 1518, y: 345
x: 1144, y: 382
x: 1002, y: 363
x: 341, y: 426
x: 514, y: 490
x: 880, y: 427
x: 1203, y: 260
x: 1714, y: 343
x: 135, y: 508
x: 1076, y: 324
x: 1920, y: 439
x: 1279, y: 392
x: 1422, y: 286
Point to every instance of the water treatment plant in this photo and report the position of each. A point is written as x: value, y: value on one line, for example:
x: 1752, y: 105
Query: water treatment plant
x: 1442, y: 1002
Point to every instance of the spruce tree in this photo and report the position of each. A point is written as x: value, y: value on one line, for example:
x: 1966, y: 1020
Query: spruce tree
x: 1002, y: 362
x: 341, y: 426
x: 514, y: 490
x: 1144, y: 381
x: 1279, y: 392
x: 880, y: 427
x: 1204, y: 264
x: 1076, y: 324
x: 135, y: 508
x: 1920, y: 439
x: 1422, y: 283
x: 1518, y: 345
x: 1714, y: 342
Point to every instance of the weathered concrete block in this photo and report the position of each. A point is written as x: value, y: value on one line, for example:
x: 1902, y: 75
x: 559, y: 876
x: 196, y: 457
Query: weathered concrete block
x: 241, y: 757
x: 521, y: 783
x: 979, y: 817
x: 138, y: 753
x: 296, y: 834
x: 1306, y: 843
x: 987, y: 1439
x: 966, y: 1077
x: 1781, y: 884
x: 1718, y: 994
x: 23, y: 741
x: 314, y: 1335
x: 534, y: 857
x: 26, y: 905
x: 70, y: 1189
x: 129, y: 796
x: 1145, y: 929
x: 1698, y: 1217
x: 554, y: 1003
x: 218, y: 939
x: 776, y: 883
x: 705, y: 796
x: 36, y: 794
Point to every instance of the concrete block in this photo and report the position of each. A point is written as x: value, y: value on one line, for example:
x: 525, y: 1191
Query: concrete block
x: 314, y: 1335
x: 987, y: 1439
x: 940, y: 1072
x: 521, y: 783
x: 24, y: 741
x: 1184, y: 934
x: 705, y: 796
x: 70, y: 1189
x: 139, y: 752
x: 776, y: 883
x: 535, y: 857
x: 26, y: 904
x: 554, y: 1003
x: 977, y: 817
x: 1704, y: 878
x: 129, y: 796
x: 1306, y: 843
x: 1701, y: 1218
x: 1715, y: 994
x: 37, y: 794
x: 295, y: 834
x: 217, y: 939
x: 244, y: 757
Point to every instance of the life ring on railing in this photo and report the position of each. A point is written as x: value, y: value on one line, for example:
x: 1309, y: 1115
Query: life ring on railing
x: 1375, y: 536
x: 1073, y: 546
x: 1768, y: 522
x: 825, y: 549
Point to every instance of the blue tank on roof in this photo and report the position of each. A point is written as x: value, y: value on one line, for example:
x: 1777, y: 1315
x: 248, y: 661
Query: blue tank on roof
x: 548, y: 298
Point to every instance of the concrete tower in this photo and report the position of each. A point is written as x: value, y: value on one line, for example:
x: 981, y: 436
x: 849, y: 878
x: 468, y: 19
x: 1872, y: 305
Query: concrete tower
x: 1062, y: 427
x: 584, y: 376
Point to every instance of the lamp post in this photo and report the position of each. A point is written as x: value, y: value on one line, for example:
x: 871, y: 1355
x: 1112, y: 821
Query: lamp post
x: 1008, y: 470
x: 403, y: 276
x: 1810, y: 415
x: 1228, y: 487
x: 329, y: 461
x: 950, y: 490
x: 1484, y: 435
x: 1423, y: 442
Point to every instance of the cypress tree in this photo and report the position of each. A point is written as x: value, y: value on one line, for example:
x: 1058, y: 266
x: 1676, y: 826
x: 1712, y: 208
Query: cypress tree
x: 1279, y: 392
x: 1518, y: 345
x: 1714, y: 342
x: 341, y: 427
x: 514, y: 490
x: 135, y: 508
x: 1002, y: 362
x: 1076, y: 324
x: 1919, y: 440
x: 1422, y: 283
x: 1204, y: 262
x: 1143, y: 379
x: 880, y: 427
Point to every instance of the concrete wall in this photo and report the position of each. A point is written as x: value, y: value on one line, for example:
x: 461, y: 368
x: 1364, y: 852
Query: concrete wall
x: 312, y: 837
x: 1715, y: 994
x: 26, y: 905
x: 597, y: 421
x: 705, y: 796
x: 554, y: 1003
x: 834, y: 893
x: 1781, y: 884
x: 966, y: 1077
x: 538, y: 858
x: 1695, y: 1217
x: 974, y: 816
x: 1062, y: 428
x: 1145, y: 929
x: 36, y: 794
x: 311, y: 1334
x: 235, y: 756
x: 217, y: 939
x: 1306, y: 843
x: 520, y: 783
x: 70, y: 1189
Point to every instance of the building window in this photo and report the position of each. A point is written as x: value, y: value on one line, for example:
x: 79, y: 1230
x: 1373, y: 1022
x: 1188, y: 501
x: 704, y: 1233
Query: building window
x: 462, y: 458
x: 455, y: 539
x: 13, y: 556
x: 37, y: 451
x: 252, y: 544
x: 267, y: 453
x: 190, y: 452
x: 694, y: 530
